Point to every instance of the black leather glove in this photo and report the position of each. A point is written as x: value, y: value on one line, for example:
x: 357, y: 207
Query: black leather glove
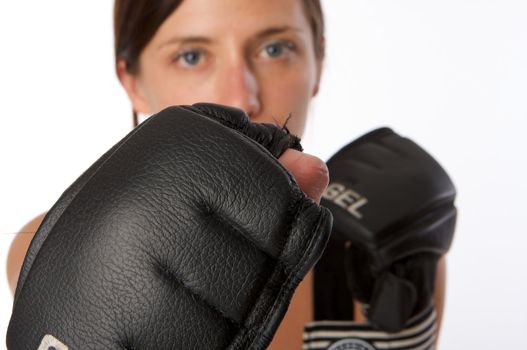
x: 394, y: 205
x: 187, y: 234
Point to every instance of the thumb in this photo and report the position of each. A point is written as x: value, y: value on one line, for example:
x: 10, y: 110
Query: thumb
x: 310, y: 172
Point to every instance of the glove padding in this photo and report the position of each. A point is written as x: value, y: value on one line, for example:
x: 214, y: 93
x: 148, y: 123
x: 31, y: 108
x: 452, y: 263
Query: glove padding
x: 395, y: 205
x: 187, y: 234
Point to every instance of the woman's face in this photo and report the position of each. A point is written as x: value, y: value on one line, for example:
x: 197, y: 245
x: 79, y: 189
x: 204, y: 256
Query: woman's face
x: 256, y: 55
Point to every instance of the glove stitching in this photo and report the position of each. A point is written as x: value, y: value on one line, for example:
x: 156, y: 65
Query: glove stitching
x: 204, y: 111
x: 276, y: 145
x: 289, y: 283
x: 255, y: 332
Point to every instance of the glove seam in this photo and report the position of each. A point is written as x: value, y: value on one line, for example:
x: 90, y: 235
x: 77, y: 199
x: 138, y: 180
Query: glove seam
x: 244, y: 127
x: 257, y: 330
x: 300, y: 264
x: 171, y: 276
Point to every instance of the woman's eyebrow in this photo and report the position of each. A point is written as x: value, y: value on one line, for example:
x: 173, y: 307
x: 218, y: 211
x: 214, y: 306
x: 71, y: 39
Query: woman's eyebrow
x: 275, y: 30
x: 205, y: 40
x: 185, y: 40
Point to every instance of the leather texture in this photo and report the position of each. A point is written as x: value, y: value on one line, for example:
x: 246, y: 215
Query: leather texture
x: 394, y: 216
x: 187, y: 234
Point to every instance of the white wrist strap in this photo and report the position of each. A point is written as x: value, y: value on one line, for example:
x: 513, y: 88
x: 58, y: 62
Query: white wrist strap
x: 420, y: 334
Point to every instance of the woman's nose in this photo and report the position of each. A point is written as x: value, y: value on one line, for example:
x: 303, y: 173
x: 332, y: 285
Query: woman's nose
x: 240, y: 89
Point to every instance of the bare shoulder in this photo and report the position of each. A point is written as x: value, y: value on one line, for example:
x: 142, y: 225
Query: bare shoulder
x: 18, y: 249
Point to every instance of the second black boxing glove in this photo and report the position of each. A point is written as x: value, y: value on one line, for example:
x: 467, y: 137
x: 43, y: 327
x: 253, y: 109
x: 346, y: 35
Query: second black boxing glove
x: 394, y: 204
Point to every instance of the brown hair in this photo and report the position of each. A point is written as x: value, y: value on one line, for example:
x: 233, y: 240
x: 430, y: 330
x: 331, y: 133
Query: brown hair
x: 137, y: 21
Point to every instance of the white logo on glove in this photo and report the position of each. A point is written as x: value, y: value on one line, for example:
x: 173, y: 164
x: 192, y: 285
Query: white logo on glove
x: 49, y: 342
x: 345, y: 198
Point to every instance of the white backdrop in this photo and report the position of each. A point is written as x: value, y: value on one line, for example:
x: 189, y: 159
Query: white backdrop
x: 450, y: 74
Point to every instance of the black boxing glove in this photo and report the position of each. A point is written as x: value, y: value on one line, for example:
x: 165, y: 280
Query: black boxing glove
x: 187, y: 234
x: 394, y: 204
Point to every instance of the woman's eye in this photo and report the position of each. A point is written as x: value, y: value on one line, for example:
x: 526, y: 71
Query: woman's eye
x: 278, y: 49
x: 189, y: 58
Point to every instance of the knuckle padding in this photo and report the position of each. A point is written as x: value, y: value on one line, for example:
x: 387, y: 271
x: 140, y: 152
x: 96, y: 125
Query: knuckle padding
x: 185, y: 235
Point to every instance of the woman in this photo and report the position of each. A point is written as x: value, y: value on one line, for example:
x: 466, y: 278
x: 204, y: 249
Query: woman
x: 263, y: 56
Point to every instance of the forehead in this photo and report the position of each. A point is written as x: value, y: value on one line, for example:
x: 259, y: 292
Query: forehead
x: 243, y: 17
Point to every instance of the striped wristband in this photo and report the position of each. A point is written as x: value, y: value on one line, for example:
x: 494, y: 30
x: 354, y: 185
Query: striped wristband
x: 420, y: 334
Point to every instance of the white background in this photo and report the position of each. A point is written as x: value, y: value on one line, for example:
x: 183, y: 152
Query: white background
x: 450, y: 74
